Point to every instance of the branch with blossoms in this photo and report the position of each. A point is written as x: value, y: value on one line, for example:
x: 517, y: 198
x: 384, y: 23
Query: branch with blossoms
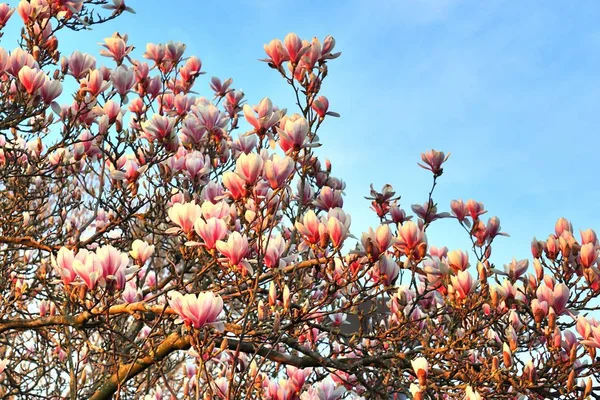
x: 149, y: 250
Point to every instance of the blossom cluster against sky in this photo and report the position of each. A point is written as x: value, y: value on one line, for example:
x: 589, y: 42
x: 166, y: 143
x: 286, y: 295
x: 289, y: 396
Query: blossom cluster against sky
x: 512, y: 89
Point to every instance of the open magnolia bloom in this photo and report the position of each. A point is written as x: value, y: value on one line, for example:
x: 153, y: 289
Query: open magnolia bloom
x: 156, y: 243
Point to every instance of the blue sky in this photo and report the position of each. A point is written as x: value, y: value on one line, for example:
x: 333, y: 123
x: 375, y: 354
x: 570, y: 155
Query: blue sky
x: 512, y: 89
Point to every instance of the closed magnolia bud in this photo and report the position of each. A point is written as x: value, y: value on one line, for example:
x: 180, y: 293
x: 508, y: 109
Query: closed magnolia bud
x: 224, y: 345
x: 588, y: 388
x: 272, y: 294
x: 557, y: 338
x: 422, y: 250
x: 494, y: 298
x: 494, y: 363
x: 551, y: 319
x: 261, y: 310
x: 286, y: 297
x: 324, y: 240
x: 536, y: 248
x: 571, y: 381
x: 507, y: 355
x: 276, y: 322
x: 573, y: 354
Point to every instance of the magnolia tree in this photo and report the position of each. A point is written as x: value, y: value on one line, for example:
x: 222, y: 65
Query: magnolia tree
x: 162, y: 240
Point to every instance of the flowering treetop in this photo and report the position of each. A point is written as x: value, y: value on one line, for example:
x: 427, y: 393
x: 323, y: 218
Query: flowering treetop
x: 160, y: 240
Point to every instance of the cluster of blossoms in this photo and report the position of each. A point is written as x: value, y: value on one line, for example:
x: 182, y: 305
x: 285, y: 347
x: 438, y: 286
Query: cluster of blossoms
x: 149, y: 251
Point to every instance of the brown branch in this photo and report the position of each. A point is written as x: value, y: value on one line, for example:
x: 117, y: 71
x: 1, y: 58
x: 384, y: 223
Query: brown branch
x: 175, y: 342
x: 80, y: 320
x: 27, y: 241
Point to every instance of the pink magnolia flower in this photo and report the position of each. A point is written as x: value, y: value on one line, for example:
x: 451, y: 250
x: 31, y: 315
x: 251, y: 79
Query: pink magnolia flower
x: 562, y: 225
x: 141, y: 251
x: 387, y: 270
x: 88, y: 269
x: 377, y: 242
x: 235, y: 184
x: 197, y: 311
x: 475, y: 209
x: 310, y: 227
x: 327, y: 390
x: 4, y: 59
x: 131, y: 293
x: 249, y: 167
x: 63, y: 264
x: 439, y: 252
x: 211, y: 193
x: 294, y: 46
x: 19, y: 59
x: 122, y: 79
x: 267, y: 116
x: 493, y: 228
x: 275, y: 246
x: 428, y: 212
x: 458, y: 260
x: 515, y: 269
x: 210, y: 231
x: 556, y: 298
x: 31, y: 79
x: 119, y: 5
x: 235, y: 249
x: 158, y: 128
x: 463, y: 283
x: 293, y: 136
x: 116, y: 48
x: 220, y: 88
x: 191, y: 69
x: 459, y: 209
x: 276, y: 52
x: 5, y: 14
x: 197, y: 165
x: 79, y: 64
x: 313, y: 55
x: 155, y: 52
x: 433, y: 161
x: 337, y: 231
x: 329, y: 198
x: 244, y: 144
x: 297, y: 376
x: 185, y: 215
x: 320, y: 105
x: 174, y: 51
x: 338, y: 319
x: 589, y: 236
x: 24, y: 9
x: 211, y: 119
x: 219, y: 210
x: 588, y: 255
x: 278, y: 170
x: 410, y: 238
x: 112, y: 261
x: 50, y: 90
x: 398, y: 215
